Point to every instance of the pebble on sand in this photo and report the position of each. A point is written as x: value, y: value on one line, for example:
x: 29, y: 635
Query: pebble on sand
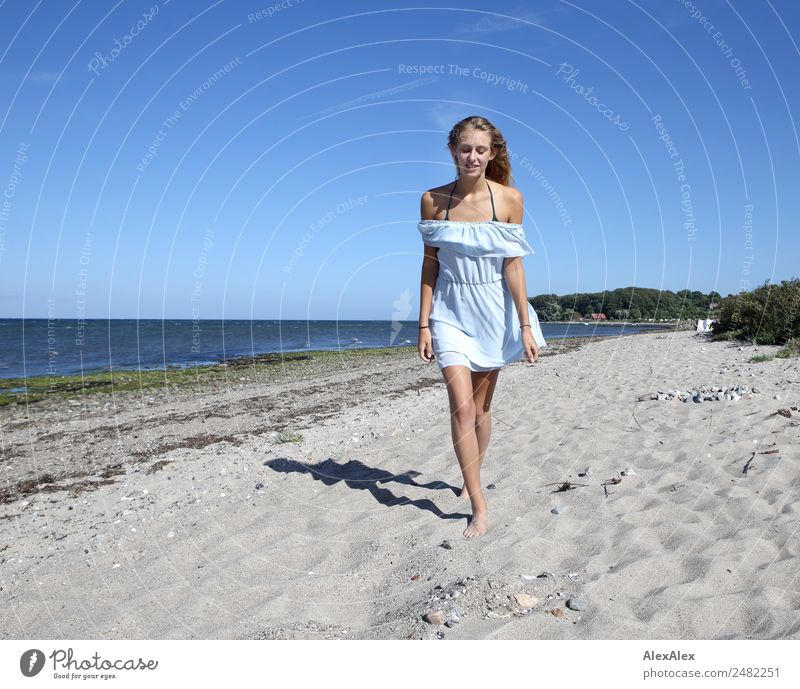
x: 576, y: 604
x: 435, y: 617
x: 525, y: 601
x: 559, y: 509
x: 454, y: 615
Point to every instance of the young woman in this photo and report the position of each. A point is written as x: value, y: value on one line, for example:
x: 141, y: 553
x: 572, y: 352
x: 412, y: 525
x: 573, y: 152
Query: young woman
x: 474, y: 315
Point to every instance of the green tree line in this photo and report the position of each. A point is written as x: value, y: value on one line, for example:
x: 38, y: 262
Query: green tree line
x: 628, y: 303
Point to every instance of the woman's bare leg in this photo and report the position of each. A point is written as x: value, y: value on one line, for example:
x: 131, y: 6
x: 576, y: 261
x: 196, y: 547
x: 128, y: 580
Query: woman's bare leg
x: 465, y: 442
x: 483, y: 385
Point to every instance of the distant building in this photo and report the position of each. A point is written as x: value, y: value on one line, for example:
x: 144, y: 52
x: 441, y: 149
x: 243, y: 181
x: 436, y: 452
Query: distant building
x: 598, y: 316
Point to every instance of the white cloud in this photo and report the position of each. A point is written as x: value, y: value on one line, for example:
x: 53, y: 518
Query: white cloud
x: 489, y: 23
x: 375, y: 95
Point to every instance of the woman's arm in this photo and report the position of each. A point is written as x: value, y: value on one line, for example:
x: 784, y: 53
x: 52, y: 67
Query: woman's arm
x: 430, y: 264
x: 515, y: 279
x: 512, y: 266
x: 430, y: 271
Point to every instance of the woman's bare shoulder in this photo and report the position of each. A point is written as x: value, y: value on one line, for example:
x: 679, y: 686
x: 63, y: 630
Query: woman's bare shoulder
x: 504, y: 190
x: 434, y: 202
x: 438, y: 192
x: 508, y: 202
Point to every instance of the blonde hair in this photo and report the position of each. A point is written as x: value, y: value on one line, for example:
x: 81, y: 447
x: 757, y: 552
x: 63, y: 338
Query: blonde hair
x: 499, y: 167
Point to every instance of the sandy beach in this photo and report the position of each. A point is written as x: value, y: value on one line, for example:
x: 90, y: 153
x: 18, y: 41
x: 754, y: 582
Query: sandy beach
x: 320, y: 502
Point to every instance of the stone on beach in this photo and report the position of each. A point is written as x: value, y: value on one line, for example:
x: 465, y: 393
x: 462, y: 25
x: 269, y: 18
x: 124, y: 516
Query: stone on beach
x: 703, y: 393
x: 576, y: 604
x: 525, y: 601
x: 436, y: 617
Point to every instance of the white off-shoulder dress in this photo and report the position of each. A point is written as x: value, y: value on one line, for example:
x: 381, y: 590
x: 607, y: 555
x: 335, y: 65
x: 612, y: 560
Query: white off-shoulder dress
x: 473, y: 319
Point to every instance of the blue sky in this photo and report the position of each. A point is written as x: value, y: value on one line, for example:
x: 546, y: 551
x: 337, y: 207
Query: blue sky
x: 265, y: 160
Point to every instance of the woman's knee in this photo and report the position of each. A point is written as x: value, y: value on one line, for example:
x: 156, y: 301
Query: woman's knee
x: 463, y: 410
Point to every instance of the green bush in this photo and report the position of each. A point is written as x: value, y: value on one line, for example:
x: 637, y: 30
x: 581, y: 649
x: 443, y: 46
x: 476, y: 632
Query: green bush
x: 289, y: 437
x: 759, y: 358
x: 767, y: 315
x: 790, y: 349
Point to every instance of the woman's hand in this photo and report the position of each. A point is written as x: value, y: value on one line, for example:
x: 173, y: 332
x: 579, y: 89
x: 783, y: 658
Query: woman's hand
x: 529, y: 344
x: 424, y: 345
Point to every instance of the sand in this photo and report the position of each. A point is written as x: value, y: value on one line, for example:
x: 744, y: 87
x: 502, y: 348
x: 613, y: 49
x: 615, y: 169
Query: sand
x: 182, y: 515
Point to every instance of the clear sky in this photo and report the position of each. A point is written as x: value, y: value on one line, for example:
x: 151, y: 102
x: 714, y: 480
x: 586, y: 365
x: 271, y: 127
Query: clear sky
x: 265, y: 160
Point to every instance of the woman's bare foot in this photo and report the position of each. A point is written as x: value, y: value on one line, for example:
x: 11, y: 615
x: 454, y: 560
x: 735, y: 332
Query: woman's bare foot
x: 477, y: 524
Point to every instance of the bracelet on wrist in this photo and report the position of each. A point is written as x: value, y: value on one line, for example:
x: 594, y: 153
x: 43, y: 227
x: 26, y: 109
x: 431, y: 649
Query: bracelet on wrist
x: 525, y: 325
x: 424, y: 326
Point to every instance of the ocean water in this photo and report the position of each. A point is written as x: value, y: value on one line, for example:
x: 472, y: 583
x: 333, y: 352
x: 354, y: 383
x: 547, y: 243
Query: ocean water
x: 38, y: 346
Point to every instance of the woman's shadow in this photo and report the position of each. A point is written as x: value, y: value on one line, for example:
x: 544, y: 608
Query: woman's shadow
x: 359, y: 476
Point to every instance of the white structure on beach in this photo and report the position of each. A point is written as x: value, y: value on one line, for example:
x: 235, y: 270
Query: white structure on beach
x: 704, y: 326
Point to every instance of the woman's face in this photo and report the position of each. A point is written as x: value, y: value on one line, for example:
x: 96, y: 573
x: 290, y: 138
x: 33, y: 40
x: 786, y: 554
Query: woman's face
x: 473, y: 152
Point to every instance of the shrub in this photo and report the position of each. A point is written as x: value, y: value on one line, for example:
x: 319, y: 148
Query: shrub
x: 791, y: 348
x: 768, y: 315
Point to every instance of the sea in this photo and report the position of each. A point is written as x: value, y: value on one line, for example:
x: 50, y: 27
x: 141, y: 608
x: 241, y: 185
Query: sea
x: 40, y: 346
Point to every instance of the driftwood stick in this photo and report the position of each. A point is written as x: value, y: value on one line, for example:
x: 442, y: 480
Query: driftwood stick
x: 747, y: 464
x: 501, y: 421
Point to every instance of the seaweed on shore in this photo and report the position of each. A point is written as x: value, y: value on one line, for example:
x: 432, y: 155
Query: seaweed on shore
x: 261, y: 368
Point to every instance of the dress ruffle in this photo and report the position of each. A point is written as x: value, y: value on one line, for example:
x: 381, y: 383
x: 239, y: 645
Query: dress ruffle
x: 487, y: 238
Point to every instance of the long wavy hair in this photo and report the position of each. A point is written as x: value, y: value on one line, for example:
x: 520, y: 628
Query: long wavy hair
x: 499, y: 167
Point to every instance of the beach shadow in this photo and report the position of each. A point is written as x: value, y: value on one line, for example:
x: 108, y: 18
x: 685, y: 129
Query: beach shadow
x: 359, y: 476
